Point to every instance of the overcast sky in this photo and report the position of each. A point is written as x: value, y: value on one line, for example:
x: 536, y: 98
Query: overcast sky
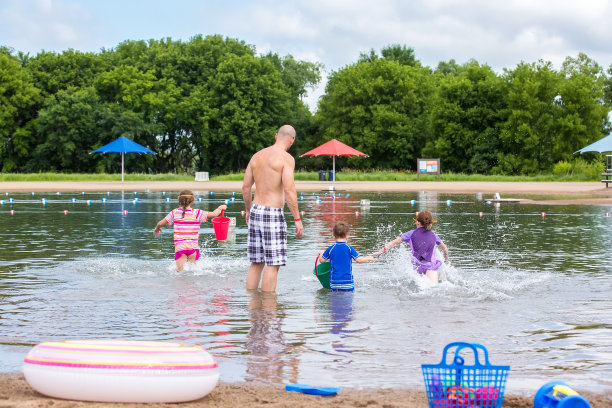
x: 500, y: 34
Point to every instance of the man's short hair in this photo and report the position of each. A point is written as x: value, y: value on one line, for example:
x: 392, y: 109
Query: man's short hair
x: 341, y: 229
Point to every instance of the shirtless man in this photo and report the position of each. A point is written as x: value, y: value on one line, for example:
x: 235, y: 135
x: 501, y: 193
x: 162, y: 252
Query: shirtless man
x: 271, y: 170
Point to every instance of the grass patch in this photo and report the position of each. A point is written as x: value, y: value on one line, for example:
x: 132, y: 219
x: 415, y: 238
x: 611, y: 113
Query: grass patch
x: 378, y: 175
x: 344, y: 175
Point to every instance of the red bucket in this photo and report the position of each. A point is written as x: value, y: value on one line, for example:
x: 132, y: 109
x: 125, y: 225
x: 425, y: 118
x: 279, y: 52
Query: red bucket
x: 221, y: 226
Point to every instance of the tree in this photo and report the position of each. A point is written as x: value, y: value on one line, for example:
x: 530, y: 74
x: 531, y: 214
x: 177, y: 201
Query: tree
x: 381, y: 108
x: 465, y: 119
x: 528, y: 133
x: 19, y: 100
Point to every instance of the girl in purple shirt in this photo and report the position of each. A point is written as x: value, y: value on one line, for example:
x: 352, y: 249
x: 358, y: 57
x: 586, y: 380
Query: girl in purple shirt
x: 422, y: 241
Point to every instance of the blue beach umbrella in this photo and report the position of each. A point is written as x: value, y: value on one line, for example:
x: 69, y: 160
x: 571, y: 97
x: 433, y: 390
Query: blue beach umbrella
x: 600, y: 146
x: 123, y: 145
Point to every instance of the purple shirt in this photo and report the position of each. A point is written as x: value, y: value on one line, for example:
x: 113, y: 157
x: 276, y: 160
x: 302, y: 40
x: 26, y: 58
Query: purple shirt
x: 423, y: 244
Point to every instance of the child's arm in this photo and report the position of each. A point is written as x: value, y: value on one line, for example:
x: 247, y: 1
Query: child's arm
x: 159, y: 226
x: 321, y: 259
x: 444, y: 249
x: 388, y: 246
x: 216, y: 213
x: 365, y: 259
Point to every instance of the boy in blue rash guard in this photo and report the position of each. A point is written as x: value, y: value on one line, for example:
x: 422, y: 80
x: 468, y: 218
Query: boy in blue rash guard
x: 341, y: 256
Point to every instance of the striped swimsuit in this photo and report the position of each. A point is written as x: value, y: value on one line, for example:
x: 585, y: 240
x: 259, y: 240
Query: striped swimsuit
x: 186, y: 228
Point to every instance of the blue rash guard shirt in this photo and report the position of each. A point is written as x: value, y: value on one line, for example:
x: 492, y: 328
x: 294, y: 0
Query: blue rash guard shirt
x: 341, y: 256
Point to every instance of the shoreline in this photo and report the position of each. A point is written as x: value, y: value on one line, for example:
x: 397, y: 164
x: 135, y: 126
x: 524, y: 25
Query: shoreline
x: 15, y: 392
x: 592, y: 193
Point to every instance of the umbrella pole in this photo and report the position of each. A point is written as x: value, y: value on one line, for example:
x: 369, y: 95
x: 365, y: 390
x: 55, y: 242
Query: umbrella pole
x: 334, y: 168
x: 122, y: 167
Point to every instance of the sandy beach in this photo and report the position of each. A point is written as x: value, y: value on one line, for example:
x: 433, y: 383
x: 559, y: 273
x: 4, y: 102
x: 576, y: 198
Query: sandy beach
x: 15, y: 392
x: 543, y: 192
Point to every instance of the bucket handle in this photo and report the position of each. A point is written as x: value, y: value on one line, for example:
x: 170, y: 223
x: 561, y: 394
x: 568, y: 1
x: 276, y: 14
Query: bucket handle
x: 458, y: 360
x: 315, y: 268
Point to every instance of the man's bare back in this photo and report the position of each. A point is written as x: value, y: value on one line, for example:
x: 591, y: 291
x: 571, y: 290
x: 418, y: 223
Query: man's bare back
x: 267, y: 167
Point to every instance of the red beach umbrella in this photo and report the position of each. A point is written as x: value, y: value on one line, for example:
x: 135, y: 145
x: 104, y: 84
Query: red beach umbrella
x: 334, y: 148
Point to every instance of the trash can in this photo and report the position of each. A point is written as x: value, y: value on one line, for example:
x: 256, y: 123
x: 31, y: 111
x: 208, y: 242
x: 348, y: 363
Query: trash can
x: 332, y: 175
x: 321, y: 175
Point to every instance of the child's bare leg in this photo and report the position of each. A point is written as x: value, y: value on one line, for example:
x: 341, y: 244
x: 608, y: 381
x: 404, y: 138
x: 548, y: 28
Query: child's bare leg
x: 432, y: 275
x: 180, y: 263
x: 192, y: 258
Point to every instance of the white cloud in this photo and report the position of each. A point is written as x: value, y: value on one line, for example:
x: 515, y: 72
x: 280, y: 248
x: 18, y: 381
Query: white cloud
x: 52, y: 25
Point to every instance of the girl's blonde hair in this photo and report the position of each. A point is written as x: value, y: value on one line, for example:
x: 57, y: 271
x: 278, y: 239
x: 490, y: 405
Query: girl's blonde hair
x: 185, y: 198
x: 425, y: 219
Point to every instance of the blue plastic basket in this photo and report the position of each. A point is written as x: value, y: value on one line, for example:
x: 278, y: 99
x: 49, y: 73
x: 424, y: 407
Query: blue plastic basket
x: 460, y: 385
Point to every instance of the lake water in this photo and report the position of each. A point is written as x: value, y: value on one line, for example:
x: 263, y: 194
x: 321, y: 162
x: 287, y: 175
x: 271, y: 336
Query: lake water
x: 535, y: 290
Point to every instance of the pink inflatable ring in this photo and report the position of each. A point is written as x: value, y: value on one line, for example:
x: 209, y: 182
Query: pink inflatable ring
x: 120, y: 371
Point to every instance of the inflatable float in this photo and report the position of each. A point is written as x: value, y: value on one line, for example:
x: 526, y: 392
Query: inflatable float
x: 120, y: 371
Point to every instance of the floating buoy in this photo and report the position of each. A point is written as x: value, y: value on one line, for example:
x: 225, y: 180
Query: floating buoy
x: 83, y: 193
x: 227, y: 202
x: 233, y: 193
x: 108, y: 193
x: 480, y: 214
x: 44, y: 201
x: 607, y: 214
x: 233, y: 199
x: 65, y: 212
x: 348, y: 195
x: 319, y: 201
x: 199, y: 198
x: 58, y: 193
x: 357, y: 213
x: 300, y: 198
x: 33, y: 193
x: 73, y: 200
x: 163, y: 193
x: 303, y: 212
x: 543, y: 214
x: 212, y: 193
x: 103, y: 199
x: 488, y: 202
x: 413, y: 202
x: 449, y: 202
x: 12, y: 212
x: 125, y: 212
x: 242, y: 213
x: 2, y: 202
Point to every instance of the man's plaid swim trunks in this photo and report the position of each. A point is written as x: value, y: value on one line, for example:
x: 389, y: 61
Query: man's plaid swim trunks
x: 267, y: 241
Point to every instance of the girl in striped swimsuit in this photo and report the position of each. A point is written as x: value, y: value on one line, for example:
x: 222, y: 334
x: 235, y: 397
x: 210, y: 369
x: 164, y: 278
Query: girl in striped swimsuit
x: 186, y: 223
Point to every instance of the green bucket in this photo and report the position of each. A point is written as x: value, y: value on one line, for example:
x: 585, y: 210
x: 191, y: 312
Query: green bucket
x: 321, y: 271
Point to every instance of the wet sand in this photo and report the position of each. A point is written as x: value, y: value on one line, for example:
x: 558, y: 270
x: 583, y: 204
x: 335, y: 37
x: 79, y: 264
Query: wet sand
x: 546, y: 192
x: 15, y: 392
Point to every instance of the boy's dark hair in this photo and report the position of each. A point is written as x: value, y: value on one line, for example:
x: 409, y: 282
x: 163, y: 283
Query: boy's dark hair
x: 341, y: 229
x: 425, y: 218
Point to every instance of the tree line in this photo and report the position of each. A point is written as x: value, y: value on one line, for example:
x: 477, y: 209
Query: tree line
x: 209, y: 103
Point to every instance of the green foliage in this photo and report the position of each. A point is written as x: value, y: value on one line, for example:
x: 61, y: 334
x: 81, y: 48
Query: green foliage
x: 19, y: 100
x: 210, y: 102
x: 380, y: 108
x: 466, y: 118
x: 579, y: 169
